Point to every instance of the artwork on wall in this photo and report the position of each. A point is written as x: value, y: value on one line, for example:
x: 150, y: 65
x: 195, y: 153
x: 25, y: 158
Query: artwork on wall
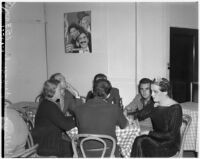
x: 77, y: 32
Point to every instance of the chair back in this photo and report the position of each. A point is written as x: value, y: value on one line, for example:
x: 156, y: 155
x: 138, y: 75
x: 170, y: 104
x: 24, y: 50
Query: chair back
x: 29, y: 122
x: 27, y: 110
x: 93, y: 137
x: 26, y: 153
x: 186, y: 121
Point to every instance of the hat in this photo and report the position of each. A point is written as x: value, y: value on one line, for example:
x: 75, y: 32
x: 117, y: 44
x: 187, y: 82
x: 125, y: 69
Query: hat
x: 80, y: 15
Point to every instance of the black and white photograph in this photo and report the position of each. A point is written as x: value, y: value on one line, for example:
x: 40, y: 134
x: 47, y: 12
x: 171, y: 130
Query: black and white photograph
x: 77, y: 28
x: 100, y: 79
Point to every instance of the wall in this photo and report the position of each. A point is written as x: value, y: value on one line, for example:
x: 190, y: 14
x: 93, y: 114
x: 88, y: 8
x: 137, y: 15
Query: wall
x: 119, y: 30
x: 153, y: 23
x: 113, y: 42
x: 26, y: 64
x: 151, y: 40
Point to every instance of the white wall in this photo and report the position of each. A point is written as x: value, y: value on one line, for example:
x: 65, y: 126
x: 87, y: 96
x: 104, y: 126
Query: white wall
x: 151, y: 41
x: 153, y: 22
x: 26, y: 67
x: 114, y: 39
x: 113, y: 46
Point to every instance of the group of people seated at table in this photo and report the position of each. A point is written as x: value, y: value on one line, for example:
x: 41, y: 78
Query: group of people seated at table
x: 61, y: 109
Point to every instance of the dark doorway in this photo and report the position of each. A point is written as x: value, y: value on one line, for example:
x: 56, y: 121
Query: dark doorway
x: 184, y: 63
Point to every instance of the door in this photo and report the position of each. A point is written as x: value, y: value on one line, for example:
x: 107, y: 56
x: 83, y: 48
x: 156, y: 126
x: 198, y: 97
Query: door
x: 183, y: 62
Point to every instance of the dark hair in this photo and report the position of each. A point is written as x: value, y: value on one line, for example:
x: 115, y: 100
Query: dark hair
x: 164, y: 85
x: 144, y: 81
x: 85, y: 32
x: 102, y: 88
x: 98, y: 76
x: 76, y: 26
x: 53, y: 77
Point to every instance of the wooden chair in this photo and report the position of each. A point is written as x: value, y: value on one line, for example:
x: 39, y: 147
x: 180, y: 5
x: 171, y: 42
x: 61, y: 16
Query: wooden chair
x: 92, y: 137
x: 27, y: 110
x: 184, y: 129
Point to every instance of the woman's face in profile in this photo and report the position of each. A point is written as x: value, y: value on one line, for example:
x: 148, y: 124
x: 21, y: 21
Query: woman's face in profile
x: 157, y: 95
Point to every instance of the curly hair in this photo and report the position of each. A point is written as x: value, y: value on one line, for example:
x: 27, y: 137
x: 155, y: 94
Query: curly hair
x: 48, y: 90
x: 76, y: 26
x: 164, y: 85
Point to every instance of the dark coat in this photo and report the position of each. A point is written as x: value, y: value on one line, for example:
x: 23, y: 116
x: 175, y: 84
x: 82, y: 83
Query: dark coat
x: 50, y: 122
x: 99, y: 117
x: 114, y: 97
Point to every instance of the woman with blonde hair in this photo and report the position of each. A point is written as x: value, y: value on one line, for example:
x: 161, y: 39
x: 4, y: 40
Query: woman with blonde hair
x: 50, y: 122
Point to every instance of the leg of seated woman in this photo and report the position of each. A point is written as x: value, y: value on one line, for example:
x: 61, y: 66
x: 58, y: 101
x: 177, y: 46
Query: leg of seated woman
x: 145, y: 146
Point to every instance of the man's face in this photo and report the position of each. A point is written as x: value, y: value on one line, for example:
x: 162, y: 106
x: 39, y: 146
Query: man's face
x: 74, y: 33
x: 83, y: 40
x: 145, y: 90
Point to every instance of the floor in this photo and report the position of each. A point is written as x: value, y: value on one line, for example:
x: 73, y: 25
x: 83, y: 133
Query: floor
x: 189, y: 154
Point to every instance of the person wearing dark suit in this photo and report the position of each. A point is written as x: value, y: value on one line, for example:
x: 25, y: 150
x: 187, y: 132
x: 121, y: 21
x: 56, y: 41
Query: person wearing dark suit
x: 97, y: 116
x: 113, y: 97
x: 50, y: 122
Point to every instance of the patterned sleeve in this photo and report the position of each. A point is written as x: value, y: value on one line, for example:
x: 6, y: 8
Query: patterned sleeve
x: 174, y: 125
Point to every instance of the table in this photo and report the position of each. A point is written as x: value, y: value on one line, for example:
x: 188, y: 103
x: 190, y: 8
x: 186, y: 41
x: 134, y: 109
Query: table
x: 191, y: 141
x: 125, y: 137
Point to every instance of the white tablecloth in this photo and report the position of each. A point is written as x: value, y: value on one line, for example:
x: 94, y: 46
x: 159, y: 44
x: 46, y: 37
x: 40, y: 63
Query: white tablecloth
x: 191, y: 142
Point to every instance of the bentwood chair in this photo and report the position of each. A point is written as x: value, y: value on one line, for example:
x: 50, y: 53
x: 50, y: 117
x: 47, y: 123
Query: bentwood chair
x: 27, y: 110
x: 184, y: 129
x: 83, y: 138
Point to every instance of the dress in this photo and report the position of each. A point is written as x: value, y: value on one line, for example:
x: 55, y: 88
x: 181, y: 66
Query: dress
x: 114, y: 97
x: 164, y: 140
x: 49, y: 125
x: 99, y: 117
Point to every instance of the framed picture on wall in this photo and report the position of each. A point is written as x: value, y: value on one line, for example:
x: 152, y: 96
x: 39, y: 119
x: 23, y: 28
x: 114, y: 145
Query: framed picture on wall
x: 77, y: 32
